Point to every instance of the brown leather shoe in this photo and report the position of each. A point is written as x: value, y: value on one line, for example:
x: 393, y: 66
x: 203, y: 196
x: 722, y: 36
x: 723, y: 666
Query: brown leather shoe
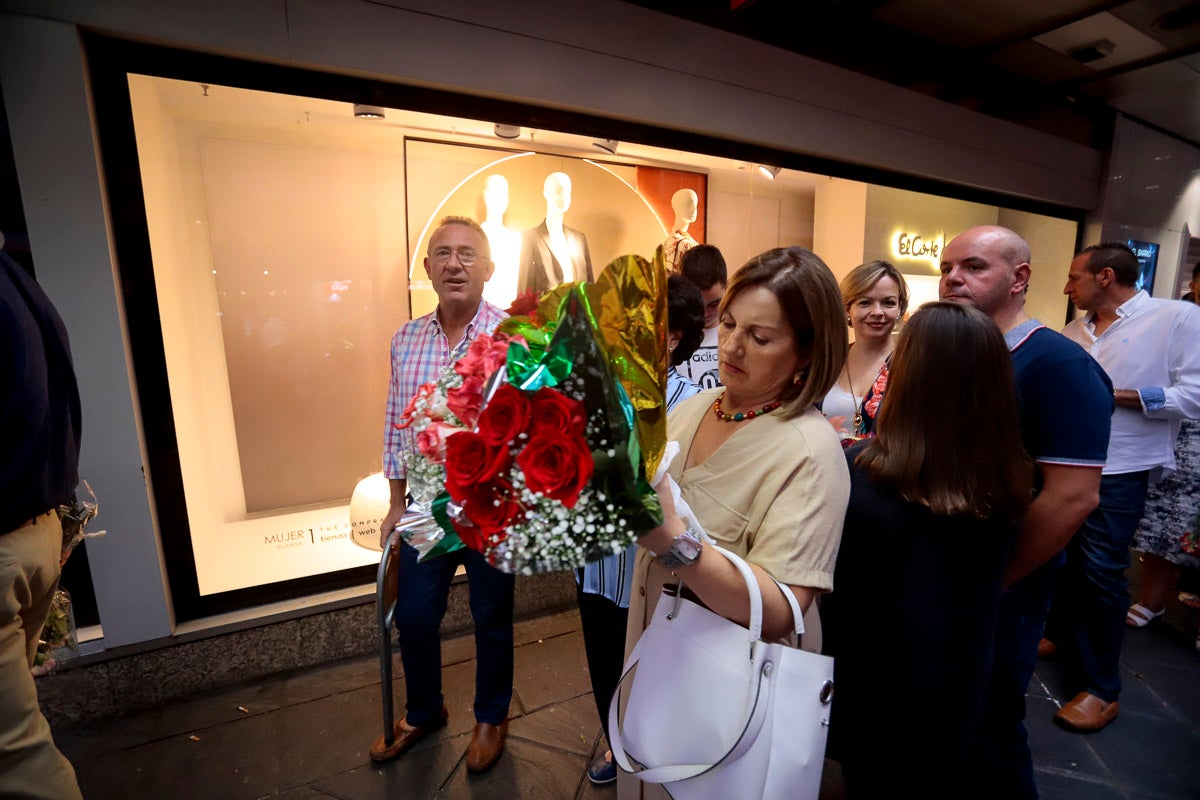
x: 487, y: 743
x: 404, y: 738
x: 1047, y: 648
x: 1087, y: 713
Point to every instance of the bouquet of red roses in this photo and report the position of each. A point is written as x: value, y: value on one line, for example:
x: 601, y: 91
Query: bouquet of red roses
x: 528, y: 446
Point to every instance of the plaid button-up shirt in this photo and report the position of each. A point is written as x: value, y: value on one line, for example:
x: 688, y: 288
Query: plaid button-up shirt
x: 420, y: 350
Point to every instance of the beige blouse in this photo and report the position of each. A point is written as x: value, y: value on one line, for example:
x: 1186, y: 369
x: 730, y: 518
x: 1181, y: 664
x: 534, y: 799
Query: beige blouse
x: 775, y: 493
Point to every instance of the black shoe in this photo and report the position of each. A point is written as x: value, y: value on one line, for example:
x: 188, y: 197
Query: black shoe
x: 603, y: 771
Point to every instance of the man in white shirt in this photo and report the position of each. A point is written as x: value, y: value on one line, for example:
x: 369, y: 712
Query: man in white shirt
x: 1150, y: 348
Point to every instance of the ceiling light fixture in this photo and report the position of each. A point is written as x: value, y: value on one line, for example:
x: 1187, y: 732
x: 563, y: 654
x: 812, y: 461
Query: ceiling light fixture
x: 367, y: 112
x: 770, y: 173
x: 607, y: 145
x: 1093, y: 51
x: 507, y: 131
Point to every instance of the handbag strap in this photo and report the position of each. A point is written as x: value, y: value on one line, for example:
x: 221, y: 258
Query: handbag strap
x: 754, y: 632
x: 671, y: 773
x: 797, y: 614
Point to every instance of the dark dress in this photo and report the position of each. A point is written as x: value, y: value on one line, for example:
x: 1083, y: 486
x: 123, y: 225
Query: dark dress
x: 910, y: 625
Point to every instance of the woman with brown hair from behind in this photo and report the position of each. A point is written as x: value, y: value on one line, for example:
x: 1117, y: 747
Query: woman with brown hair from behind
x: 935, y: 500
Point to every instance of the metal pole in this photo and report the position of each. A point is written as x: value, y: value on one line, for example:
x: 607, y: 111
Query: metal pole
x: 386, y: 612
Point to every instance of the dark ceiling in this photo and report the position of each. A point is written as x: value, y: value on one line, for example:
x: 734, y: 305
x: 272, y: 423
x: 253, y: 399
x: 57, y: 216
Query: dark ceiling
x: 1021, y: 60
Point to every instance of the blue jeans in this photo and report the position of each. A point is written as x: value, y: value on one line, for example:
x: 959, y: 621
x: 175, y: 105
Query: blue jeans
x: 1087, y: 619
x: 424, y: 590
x: 1001, y: 761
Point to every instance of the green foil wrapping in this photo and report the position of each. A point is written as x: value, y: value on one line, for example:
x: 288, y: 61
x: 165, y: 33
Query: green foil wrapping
x: 627, y: 306
x: 607, y: 341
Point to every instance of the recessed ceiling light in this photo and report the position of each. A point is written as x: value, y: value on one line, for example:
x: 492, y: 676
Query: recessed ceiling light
x: 367, y: 112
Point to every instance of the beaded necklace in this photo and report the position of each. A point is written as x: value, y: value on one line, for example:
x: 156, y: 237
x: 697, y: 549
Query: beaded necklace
x: 738, y: 417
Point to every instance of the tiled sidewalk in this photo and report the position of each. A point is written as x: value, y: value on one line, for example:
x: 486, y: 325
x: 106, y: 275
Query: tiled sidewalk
x: 304, y: 735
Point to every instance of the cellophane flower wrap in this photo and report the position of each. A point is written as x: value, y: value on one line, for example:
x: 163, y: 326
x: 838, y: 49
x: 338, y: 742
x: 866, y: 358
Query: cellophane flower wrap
x: 533, y: 448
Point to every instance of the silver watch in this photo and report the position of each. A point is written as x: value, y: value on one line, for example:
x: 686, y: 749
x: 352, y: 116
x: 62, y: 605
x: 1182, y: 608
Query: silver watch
x: 685, y: 550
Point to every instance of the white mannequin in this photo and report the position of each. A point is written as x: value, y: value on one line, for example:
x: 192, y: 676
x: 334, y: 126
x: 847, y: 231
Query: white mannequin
x: 553, y: 253
x: 501, y: 290
x: 557, y: 191
x: 684, y: 203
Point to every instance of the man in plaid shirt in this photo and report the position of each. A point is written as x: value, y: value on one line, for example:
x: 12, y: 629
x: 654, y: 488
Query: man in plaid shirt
x: 458, y: 264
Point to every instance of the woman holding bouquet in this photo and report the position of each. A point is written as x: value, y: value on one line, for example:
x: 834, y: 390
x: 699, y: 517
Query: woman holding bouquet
x: 759, y: 466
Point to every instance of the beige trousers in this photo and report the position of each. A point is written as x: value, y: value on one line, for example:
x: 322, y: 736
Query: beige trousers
x: 30, y: 765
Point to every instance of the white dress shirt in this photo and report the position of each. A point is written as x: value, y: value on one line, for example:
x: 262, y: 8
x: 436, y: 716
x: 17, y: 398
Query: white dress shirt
x: 1154, y: 348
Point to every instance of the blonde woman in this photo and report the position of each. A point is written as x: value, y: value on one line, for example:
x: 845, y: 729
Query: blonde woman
x: 875, y: 298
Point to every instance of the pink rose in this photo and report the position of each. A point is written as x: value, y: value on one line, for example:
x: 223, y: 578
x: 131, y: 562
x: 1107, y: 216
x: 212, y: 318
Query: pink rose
x: 466, y: 400
x: 484, y: 356
x: 406, y: 417
x: 431, y: 442
x: 878, y: 389
x: 496, y: 355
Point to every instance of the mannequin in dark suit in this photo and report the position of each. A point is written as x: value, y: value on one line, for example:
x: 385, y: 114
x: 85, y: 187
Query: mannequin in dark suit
x: 544, y: 248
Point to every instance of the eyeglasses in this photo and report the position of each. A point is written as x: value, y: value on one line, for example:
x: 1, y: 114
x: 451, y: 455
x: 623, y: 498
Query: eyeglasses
x: 467, y: 256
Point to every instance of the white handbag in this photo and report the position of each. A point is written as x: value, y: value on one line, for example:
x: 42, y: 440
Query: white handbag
x: 715, y: 712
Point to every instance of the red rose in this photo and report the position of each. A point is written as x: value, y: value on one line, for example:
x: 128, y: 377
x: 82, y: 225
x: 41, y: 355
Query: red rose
x: 472, y: 462
x: 465, y: 400
x: 552, y: 411
x: 471, y: 536
x: 492, y: 507
x: 504, y: 416
x: 557, y: 464
x: 525, y: 304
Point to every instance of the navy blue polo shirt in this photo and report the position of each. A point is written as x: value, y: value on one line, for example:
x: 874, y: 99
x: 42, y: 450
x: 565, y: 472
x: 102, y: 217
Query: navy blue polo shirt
x: 1064, y: 398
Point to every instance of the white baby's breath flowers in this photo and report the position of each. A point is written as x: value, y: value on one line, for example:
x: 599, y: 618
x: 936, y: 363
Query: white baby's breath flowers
x: 546, y: 535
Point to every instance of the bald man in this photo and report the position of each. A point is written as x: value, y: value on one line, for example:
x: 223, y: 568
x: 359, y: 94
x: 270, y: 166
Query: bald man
x: 1065, y: 403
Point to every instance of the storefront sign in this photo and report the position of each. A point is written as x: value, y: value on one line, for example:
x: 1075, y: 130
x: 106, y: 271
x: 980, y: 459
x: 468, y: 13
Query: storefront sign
x: 916, y: 246
x: 252, y: 552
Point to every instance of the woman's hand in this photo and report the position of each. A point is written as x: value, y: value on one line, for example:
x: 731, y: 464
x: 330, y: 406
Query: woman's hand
x: 659, y: 539
x: 666, y: 496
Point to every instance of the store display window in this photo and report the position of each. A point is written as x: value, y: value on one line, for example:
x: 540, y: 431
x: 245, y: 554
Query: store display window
x: 285, y: 239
